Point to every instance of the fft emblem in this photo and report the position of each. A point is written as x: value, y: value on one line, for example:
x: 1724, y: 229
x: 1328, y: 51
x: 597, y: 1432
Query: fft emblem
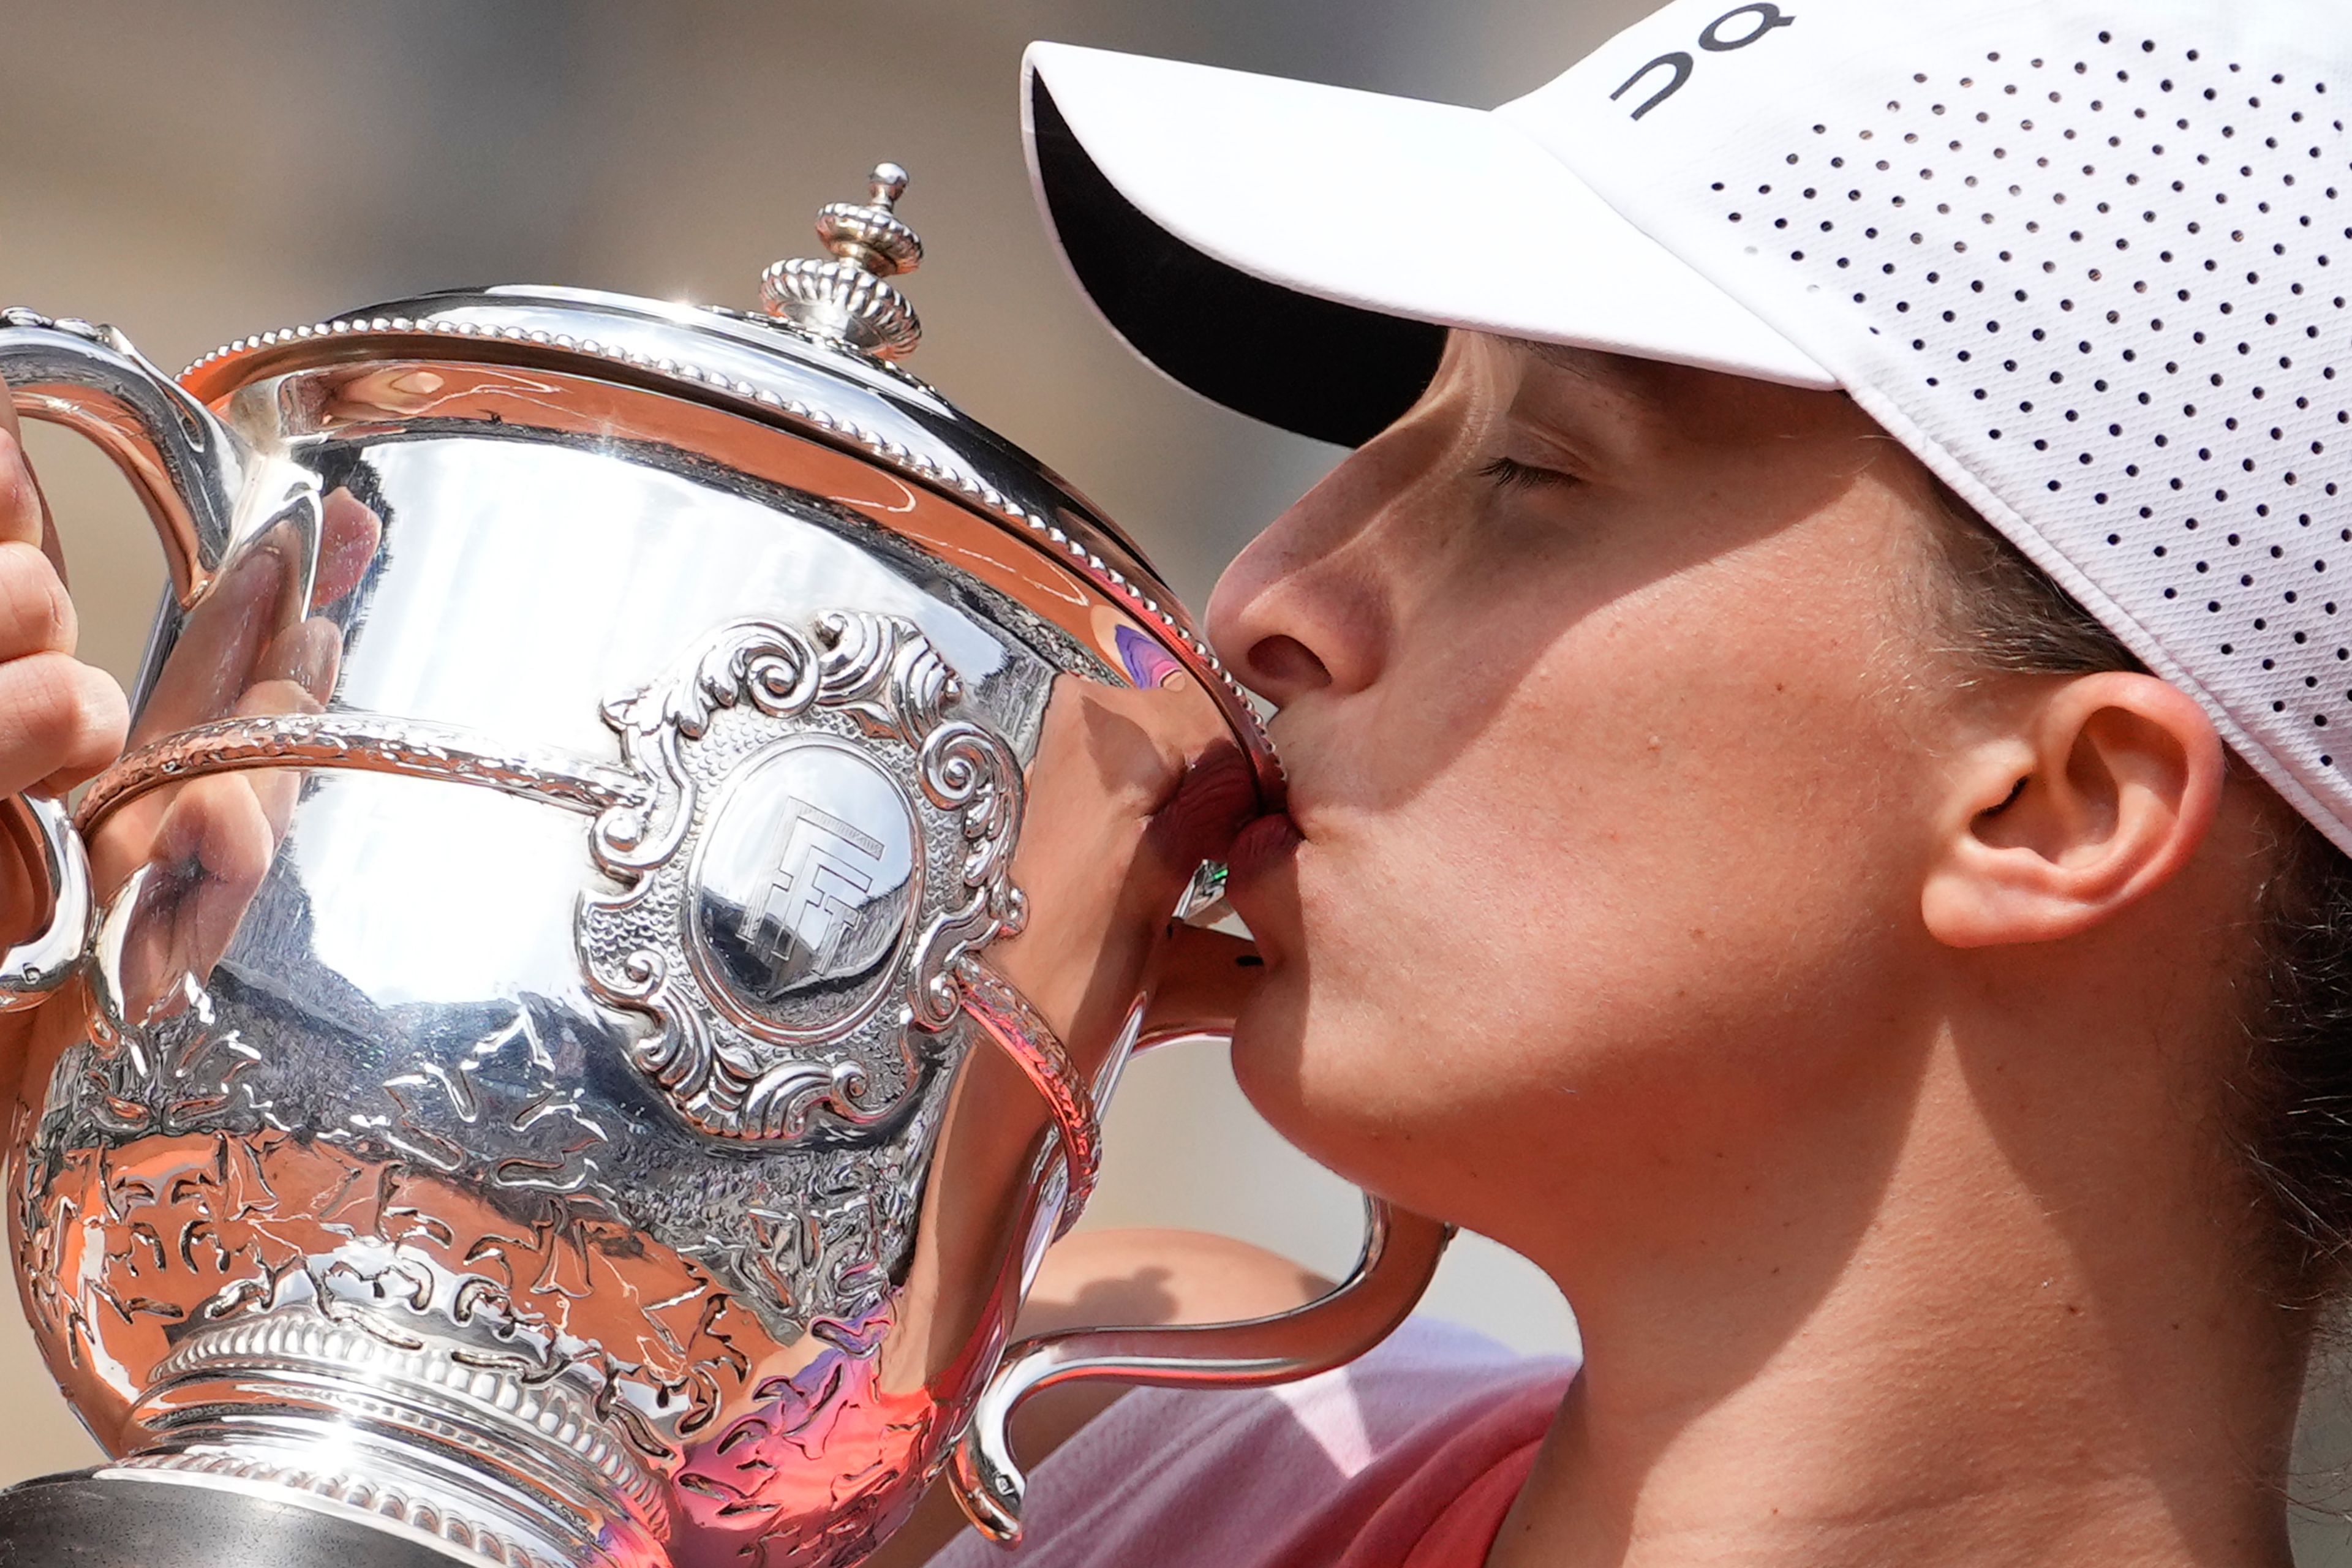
x: 806, y: 883
x: 816, y: 908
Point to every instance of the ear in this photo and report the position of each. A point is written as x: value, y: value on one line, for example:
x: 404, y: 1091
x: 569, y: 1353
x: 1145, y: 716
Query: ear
x: 2099, y: 792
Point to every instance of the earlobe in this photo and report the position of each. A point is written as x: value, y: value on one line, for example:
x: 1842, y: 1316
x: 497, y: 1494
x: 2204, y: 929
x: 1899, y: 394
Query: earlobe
x: 2103, y: 788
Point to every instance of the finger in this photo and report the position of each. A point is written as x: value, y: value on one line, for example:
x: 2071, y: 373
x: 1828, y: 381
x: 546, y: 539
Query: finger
x: 220, y: 833
x: 60, y: 722
x: 307, y: 656
x: 212, y: 660
x: 23, y: 891
x: 20, y: 496
x: 37, y: 615
x: 210, y: 851
x: 22, y: 519
x: 25, y: 899
x: 215, y: 834
x: 276, y: 789
x: 349, y: 535
x: 130, y: 834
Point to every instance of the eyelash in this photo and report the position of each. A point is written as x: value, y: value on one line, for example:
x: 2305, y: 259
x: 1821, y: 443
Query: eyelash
x: 1509, y: 474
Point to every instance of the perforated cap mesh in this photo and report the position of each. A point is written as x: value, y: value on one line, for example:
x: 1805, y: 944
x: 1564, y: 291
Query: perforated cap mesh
x: 2091, y: 262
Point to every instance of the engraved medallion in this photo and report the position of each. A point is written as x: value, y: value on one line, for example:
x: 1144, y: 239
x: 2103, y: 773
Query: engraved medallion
x: 804, y: 890
x: 816, y: 838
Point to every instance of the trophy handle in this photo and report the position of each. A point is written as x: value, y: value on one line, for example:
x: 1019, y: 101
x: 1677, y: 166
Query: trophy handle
x: 1400, y: 1253
x: 183, y: 464
x: 181, y: 461
x: 40, y: 965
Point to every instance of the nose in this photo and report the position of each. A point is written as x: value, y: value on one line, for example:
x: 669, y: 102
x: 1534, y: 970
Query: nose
x: 1305, y: 607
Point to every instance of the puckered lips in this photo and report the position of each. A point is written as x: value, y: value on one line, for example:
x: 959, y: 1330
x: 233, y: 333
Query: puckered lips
x: 1257, y: 848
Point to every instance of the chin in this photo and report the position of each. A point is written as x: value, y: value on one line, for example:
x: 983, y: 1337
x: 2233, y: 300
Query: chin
x: 1269, y: 1055
x: 1321, y: 1087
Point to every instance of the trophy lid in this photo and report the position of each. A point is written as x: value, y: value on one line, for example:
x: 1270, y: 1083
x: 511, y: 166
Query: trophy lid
x: 818, y: 360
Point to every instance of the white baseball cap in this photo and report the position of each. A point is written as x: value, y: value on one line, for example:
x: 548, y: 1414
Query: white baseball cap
x: 2090, y: 261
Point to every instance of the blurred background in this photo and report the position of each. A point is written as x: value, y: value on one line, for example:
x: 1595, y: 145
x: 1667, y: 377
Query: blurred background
x: 193, y: 173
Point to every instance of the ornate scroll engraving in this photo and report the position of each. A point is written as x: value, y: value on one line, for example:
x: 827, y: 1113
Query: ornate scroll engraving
x: 817, y: 840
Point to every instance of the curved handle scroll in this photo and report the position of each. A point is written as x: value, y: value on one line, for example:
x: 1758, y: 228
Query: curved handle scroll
x: 1401, y: 1254
x: 182, y: 460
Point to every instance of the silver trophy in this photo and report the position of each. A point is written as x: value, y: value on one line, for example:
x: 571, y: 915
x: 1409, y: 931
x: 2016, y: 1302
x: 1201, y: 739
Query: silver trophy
x: 570, y: 1025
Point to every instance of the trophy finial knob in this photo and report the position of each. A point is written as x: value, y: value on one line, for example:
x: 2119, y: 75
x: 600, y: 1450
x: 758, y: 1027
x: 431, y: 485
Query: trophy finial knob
x: 849, y: 299
x: 887, y: 182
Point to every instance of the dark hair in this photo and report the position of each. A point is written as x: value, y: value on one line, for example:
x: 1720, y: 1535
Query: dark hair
x: 2295, y: 1084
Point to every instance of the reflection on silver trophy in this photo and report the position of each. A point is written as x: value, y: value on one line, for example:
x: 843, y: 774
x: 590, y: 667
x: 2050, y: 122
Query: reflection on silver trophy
x: 571, y: 1023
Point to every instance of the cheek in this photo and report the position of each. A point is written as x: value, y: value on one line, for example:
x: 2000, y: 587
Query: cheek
x: 1651, y: 879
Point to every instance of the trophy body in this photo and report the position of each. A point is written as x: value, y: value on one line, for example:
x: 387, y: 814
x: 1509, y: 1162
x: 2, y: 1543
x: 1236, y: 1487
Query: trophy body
x: 554, y: 1075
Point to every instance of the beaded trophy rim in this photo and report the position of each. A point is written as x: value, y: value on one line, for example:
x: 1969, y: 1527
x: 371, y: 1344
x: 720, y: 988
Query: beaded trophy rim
x: 424, y: 325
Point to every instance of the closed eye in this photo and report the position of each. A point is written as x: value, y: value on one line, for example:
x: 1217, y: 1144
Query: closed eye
x: 1511, y: 474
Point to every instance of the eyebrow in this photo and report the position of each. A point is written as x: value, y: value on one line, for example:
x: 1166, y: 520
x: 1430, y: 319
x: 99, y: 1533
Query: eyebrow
x: 1581, y: 363
x: 1559, y: 354
x: 1613, y: 381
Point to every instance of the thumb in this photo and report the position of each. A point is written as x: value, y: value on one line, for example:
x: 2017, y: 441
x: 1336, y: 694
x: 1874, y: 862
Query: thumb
x: 26, y: 519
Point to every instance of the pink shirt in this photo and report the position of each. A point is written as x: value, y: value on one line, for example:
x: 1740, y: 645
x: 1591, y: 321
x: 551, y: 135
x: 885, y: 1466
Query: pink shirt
x: 1408, y: 1458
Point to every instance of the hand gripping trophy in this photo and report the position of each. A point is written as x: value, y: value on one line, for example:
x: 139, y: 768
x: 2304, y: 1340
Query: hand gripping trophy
x: 646, y: 837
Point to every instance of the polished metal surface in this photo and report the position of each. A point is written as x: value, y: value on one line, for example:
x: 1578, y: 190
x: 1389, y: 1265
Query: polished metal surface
x: 1239, y: 1355
x: 635, y: 1155
x: 818, y: 835
x: 93, y: 1520
x: 849, y: 297
x: 49, y: 958
x: 1029, y: 1042
x: 184, y: 467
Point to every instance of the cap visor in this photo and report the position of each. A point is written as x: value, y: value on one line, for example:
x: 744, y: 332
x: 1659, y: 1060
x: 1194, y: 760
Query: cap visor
x: 1208, y: 213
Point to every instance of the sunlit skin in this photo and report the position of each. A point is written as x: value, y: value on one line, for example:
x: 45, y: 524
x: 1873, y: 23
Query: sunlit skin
x: 1845, y: 1030
x: 60, y: 720
x: 1847, y: 1035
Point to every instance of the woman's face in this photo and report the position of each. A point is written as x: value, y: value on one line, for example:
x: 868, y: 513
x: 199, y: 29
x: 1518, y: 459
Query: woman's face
x: 1611, y: 726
